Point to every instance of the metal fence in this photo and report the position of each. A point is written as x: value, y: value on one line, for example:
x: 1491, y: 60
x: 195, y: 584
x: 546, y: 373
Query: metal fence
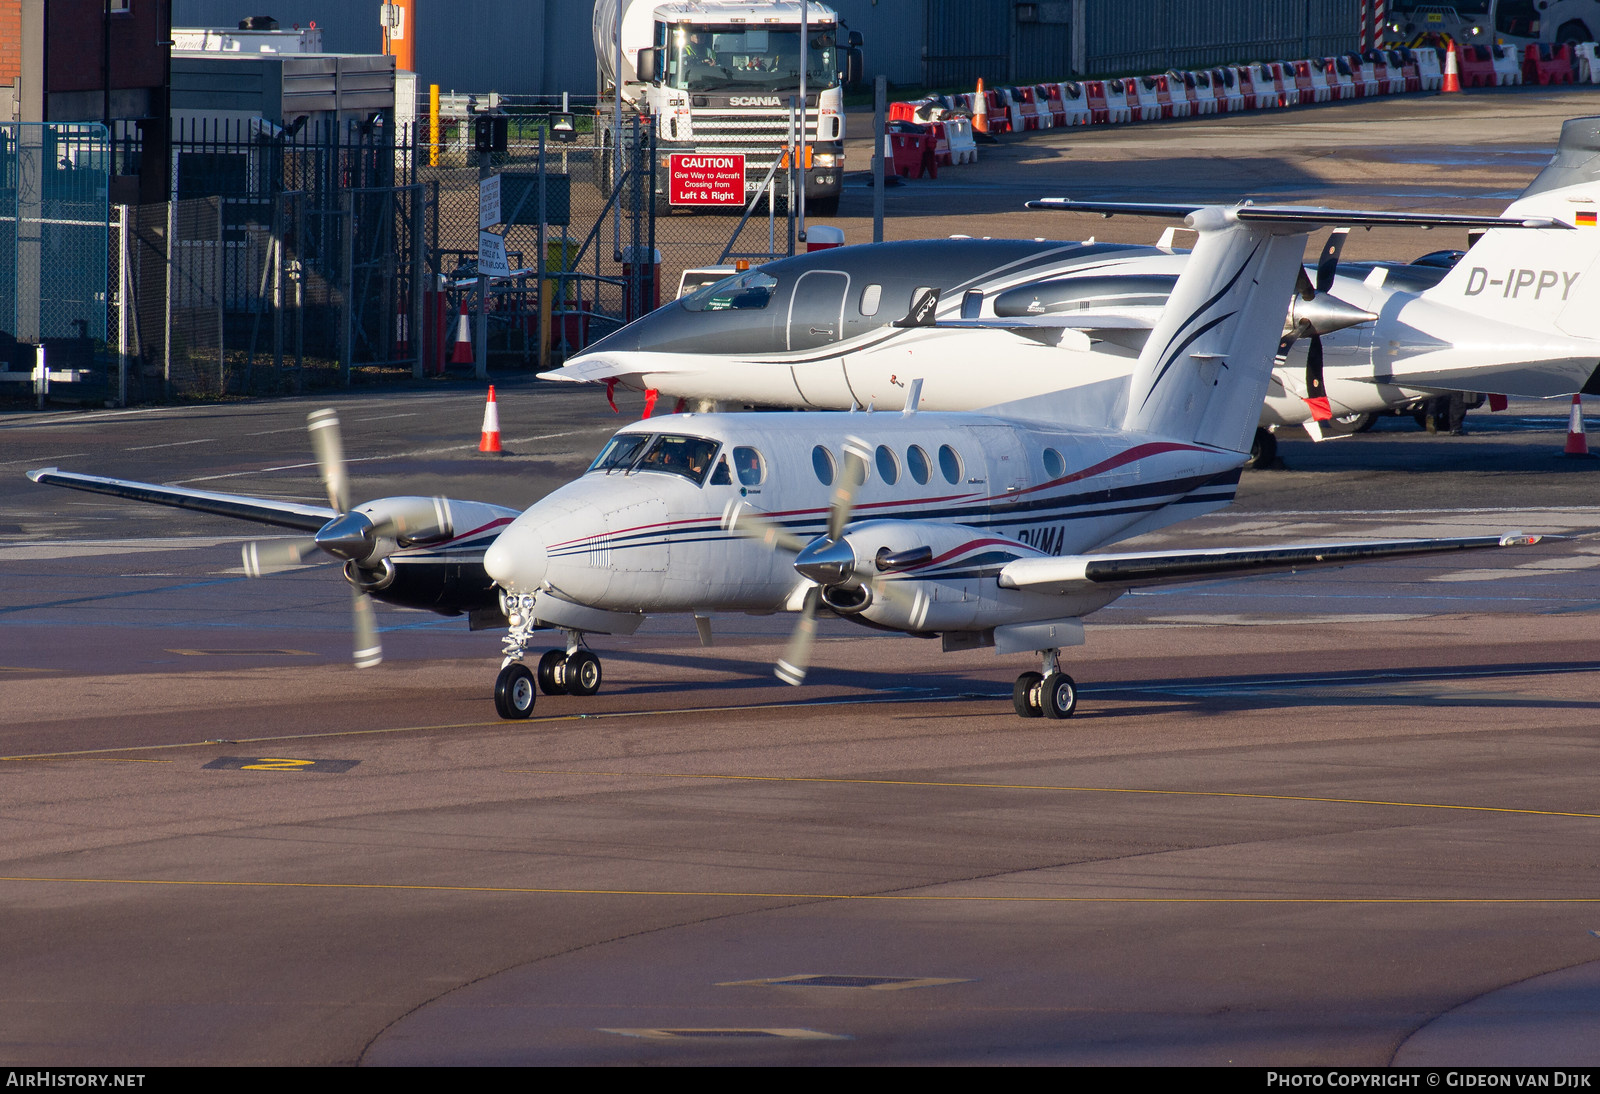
x: 54, y: 187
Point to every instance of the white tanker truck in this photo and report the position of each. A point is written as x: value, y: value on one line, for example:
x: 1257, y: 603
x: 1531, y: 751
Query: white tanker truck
x: 717, y: 76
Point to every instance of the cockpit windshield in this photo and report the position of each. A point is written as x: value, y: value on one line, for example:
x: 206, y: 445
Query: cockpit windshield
x: 669, y: 453
x: 748, y: 290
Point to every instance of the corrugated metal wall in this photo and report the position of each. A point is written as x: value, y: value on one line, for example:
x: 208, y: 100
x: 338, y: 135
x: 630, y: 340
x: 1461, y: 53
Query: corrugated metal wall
x: 1007, y: 41
x: 1135, y: 36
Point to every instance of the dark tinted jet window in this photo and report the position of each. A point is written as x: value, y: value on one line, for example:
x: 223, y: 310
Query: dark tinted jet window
x: 748, y: 290
x: 917, y: 461
x: 749, y: 465
x: 822, y: 464
x: 972, y: 304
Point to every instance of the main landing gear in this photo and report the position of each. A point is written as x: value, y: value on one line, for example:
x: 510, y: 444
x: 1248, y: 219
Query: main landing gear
x: 1048, y: 694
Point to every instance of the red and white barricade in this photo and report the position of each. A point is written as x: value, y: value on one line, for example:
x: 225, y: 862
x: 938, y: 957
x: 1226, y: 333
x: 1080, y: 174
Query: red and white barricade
x: 1002, y: 104
x: 1310, y: 84
x: 1027, y: 100
x: 1404, y: 61
x: 1196, y: 96
x: 1336, y: 71
x: 1507, y: 66
x: 1117, y: 105
x: 1365, y: 78
x: 1225, y: 89
x: 1377, y: 63
x: 1094, y: 95
x: 1588, y: 62
x: 1069, y: 102
x: 1545, y: 64
x: 1282, y: 76
x: 1247, y: 87
x: 1475, y: 66
x: 1431, y: 68
x: 1138, y: 109
x: 956, y: 141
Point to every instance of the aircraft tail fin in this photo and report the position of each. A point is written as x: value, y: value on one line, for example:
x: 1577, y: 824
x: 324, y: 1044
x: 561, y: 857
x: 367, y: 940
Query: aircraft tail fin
x: 1548, y: 281
x: 1203, y: 373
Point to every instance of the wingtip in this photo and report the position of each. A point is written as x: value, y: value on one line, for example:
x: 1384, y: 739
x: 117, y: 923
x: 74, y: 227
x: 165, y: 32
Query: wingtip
x: 39, y: 473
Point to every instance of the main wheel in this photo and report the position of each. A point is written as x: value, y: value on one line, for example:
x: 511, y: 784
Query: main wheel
x: 1058, y: 695
x: 514, y: 692
x: 1025, y: 695
x: 583, y: 673
x: 553, y: 672
x: 1263, y: 449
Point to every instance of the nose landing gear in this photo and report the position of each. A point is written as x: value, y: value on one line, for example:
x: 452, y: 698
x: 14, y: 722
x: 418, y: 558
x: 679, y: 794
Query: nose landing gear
x: 569, y: 671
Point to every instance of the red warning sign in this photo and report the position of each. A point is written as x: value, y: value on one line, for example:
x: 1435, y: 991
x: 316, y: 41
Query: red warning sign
x: 697, y: 179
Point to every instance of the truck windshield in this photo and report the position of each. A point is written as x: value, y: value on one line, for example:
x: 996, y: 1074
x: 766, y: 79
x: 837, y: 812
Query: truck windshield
x: 714, y: 58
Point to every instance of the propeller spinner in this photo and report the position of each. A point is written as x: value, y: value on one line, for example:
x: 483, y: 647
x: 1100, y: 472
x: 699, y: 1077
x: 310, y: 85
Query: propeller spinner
x: 1313, y: 313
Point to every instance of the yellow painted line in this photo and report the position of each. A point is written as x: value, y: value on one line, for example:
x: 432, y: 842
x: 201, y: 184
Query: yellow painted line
x: 1062, y: 789
x: 904, y: 898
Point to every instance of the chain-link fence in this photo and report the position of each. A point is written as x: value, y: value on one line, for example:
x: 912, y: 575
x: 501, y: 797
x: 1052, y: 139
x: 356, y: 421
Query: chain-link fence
x: 54, y: 186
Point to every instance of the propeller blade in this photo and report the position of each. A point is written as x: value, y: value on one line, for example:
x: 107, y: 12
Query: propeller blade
x: 796, y: 659
x: 1303, y: 286
x: 1328, y: 261
x: 738, y: 519
x: 272, y: 555
x: 329, y: 447
x: 851, y: 476
x: 368, y: 649
x: 1316, y: 390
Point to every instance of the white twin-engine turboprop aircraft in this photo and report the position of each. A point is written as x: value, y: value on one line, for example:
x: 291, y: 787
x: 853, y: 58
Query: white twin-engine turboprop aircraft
x: 970, y: 525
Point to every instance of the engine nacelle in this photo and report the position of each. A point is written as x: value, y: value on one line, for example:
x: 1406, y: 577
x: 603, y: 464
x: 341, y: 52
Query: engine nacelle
x: 847, y: 599
x: 370, y: 580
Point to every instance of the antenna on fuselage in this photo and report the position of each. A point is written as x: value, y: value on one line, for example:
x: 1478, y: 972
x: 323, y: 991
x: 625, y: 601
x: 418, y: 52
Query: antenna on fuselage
x: 913, y: 397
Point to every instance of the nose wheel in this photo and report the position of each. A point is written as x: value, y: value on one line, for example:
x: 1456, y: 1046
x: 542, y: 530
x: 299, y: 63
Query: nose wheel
x: 514, y: 693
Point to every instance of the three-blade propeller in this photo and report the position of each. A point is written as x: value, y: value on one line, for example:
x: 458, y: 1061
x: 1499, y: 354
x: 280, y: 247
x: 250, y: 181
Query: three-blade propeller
x: 362, y: 540
x: 1313, y: 313
x: 829, y: 561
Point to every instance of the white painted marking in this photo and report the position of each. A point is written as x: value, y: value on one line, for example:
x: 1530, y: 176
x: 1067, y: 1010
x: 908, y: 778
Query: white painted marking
x: 169, y: 444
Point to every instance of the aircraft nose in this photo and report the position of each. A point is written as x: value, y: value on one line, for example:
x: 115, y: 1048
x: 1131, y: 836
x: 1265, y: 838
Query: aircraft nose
x: 517, y: 559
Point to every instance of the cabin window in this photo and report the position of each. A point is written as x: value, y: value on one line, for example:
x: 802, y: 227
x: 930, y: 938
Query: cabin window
x: 720, y: 476
x: 741, y: 292
x: 949, y: 464
x: 972, y: 304
x: 750, y: 467
x: 1054, y: 465
x: 870, y: 296
x: 888, y: 465
x: 689, y: 457
x: 917, y: 462
x: 822, y: 464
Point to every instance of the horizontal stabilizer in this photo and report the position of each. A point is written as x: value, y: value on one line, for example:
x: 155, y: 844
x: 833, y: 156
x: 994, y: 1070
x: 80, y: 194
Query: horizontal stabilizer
x: 283, y: 514
x: 1077, y: 573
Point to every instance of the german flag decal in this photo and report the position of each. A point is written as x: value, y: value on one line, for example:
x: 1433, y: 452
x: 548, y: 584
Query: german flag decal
x: 1586, y: 220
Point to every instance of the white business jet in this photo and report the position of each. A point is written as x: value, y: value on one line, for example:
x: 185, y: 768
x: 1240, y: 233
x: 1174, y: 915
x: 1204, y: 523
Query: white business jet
x: 987, y: 321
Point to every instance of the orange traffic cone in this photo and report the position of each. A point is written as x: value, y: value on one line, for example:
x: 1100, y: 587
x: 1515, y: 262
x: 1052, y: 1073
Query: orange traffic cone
x: 980, y: 109
x: 1452, y: 78
x: 1577, y: 440
x: 491, y: 425
x: 462, y: 354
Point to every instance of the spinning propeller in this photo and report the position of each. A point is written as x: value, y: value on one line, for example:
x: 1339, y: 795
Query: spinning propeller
x: 1313, y: 313
x: 363, y: 539
x: 830, y: 562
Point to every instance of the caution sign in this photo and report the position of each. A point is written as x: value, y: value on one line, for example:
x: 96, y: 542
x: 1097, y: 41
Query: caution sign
x: 695, y: 179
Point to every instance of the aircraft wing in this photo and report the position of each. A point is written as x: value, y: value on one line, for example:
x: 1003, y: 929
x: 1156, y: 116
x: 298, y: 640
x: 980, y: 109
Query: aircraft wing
x: 284, y: 514
x: 593, y: 368
x: 1089, y: 320
x: 1078, y: 573
x: 1296, y: 214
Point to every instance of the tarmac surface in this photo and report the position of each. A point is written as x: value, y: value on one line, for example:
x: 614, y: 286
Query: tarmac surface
x: 1344, y: 818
